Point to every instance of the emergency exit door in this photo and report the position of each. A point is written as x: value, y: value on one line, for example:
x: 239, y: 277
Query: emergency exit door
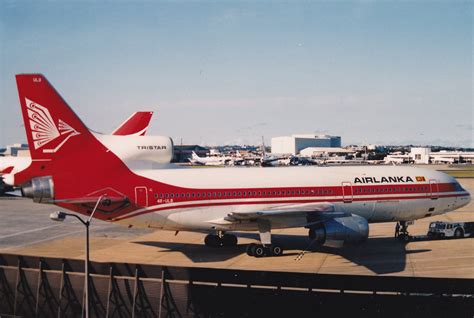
x: 434, y: 187
x: 347, y: 192
x: 141, y: 196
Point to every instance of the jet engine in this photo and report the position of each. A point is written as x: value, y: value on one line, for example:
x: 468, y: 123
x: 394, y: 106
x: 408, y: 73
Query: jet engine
x: 341, y: 230
x: 40, y: 189
x: 157, y: 149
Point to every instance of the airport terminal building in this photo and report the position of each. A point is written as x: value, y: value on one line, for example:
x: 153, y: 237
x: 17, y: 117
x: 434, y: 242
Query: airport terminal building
x: 295, y: 143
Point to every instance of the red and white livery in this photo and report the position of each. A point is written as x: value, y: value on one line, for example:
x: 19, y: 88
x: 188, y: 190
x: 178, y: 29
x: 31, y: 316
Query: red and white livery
x: 334, y: 203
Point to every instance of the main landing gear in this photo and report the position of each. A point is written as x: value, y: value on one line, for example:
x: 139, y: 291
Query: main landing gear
x: 401, y: 231
x: 259, y: 250
x: 220, y: 240
x: 266, y: 248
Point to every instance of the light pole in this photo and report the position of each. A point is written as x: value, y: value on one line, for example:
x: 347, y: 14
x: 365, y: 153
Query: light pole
x: 61, y: 216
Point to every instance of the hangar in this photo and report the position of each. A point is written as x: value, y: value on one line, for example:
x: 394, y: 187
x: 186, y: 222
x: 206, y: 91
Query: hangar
x: 295, y: 143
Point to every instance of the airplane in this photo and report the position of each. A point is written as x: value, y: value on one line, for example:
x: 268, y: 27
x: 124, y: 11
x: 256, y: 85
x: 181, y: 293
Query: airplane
x: 269, y: 160
x: 335, y: 204
x: 209, y: 161
x: 135, y: 125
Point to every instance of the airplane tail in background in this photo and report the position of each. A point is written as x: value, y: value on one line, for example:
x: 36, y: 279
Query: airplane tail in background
x: 135, y: 125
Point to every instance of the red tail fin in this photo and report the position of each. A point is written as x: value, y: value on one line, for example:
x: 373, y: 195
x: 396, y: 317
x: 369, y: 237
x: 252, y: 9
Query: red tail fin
x: 137, y: 124
x: 51, y: 125
x: 58, y: 140
x: 70, y: 167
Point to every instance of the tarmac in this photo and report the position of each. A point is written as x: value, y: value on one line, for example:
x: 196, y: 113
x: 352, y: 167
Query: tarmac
x: 26, y: 229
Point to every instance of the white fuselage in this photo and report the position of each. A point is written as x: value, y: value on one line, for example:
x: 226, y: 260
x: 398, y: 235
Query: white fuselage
x: 11, y: 165
x: 207, y: 196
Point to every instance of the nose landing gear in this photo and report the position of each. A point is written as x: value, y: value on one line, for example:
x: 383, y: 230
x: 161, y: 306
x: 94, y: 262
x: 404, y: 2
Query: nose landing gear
x: 401, y: 231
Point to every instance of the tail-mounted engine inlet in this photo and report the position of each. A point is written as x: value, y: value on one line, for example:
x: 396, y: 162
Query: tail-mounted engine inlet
x: 40, y: 189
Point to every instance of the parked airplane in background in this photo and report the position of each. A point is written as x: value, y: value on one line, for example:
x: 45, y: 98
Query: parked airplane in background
x: 209, y: 161
x: 75, y: 170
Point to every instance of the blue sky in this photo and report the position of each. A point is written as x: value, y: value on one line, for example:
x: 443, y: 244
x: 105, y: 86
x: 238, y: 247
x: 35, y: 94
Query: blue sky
x: 229, y: 72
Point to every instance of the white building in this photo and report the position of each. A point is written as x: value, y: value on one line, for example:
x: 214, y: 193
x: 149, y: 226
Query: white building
x: 425, y: 156
x: 295, y: 143
x: 452, y: 156
x: 12, y: 150
x: 420, y: 155
x: 324, y: 151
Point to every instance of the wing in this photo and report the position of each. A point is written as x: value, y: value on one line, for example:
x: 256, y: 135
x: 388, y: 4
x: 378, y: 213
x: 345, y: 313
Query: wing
x: 305, y: 214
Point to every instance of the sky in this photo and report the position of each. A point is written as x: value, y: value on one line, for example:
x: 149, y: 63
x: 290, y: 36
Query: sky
x: 230, y: 72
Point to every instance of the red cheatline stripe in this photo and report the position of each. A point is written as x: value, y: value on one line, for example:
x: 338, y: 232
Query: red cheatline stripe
x: 281, y: 202
x: 190, y: 195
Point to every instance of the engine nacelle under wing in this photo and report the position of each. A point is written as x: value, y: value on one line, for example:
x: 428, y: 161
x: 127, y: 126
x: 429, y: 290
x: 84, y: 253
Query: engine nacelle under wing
x: 341, y: 230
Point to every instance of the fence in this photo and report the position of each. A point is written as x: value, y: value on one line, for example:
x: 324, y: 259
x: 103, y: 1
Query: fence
x: 51, y: 287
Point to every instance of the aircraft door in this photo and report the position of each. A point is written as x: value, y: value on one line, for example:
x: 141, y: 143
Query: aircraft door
x: 434, y: 189
x: 141, y: 196
x: 346, y: 192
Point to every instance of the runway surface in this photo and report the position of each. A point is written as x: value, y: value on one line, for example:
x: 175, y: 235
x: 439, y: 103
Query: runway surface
x: 25, y: 228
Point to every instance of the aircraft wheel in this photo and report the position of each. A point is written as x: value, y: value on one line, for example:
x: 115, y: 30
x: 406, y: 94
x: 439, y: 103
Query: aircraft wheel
x: 229, y: 240
x: 276, y: 250
x: 213, y: 240
x: 250, y: 250
x: 405, y: 238
x: 259, y: 251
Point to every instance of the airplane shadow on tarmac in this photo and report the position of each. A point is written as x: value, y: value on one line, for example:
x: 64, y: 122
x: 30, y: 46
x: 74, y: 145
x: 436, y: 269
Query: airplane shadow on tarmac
x: 381, y: 255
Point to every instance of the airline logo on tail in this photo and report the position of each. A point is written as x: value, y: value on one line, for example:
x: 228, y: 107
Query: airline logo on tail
x: 43, y: 128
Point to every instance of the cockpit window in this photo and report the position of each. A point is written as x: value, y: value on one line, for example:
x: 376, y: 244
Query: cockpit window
x: 458, y: 187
